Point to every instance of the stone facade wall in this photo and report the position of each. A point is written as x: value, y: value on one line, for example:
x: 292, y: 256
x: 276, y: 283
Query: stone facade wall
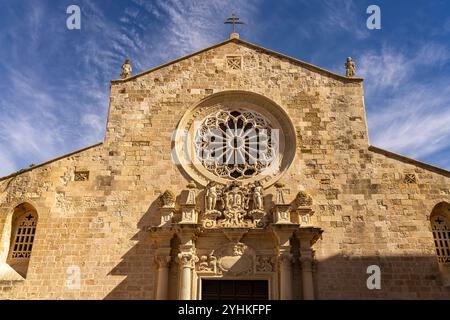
x: 368, y: 214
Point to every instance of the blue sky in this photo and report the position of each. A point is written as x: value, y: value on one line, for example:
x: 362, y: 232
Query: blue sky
x: 54, y: 83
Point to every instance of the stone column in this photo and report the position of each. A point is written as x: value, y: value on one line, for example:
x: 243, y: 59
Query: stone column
x: 306, y: 262
x: 283, y: 233
x: 187, y: 263
x: 285, y: 264
x: 162, y: 237
x: 186, y: 259
x: 307, y: 237
x: 163, y: 277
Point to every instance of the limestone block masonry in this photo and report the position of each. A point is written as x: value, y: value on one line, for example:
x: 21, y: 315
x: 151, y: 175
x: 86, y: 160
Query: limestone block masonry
x: 337, y: 205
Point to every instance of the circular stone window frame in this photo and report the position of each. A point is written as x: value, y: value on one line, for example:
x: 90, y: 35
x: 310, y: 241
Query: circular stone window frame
x: 184, y: 142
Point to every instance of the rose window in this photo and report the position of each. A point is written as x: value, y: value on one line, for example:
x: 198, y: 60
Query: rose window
x: 235, y: 144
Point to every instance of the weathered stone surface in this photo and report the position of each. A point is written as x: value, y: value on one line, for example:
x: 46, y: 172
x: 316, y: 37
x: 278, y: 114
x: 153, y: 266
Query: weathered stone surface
x: 368, y: 213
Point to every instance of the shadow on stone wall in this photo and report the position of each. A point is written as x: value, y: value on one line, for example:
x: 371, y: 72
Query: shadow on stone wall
x: 337, y: 277
x: 402, y: 277
x: 137, y: 264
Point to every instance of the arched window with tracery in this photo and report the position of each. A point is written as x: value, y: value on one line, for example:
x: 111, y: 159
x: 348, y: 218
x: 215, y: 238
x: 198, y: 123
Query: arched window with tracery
x: 23, y: 232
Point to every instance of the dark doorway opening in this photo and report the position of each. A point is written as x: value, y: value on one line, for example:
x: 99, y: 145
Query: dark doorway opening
x: 235, y: 290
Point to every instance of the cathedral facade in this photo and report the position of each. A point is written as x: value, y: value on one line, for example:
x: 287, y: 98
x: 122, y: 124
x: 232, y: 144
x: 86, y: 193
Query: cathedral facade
x: 235, y: 172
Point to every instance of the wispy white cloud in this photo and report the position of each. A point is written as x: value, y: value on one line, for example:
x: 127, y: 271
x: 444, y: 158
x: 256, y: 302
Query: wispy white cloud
x: 385, y: 69
x: 412, y: 114
x: 45, y: 113
x: 95, y: 127
x: 42, y: 117
x: 416, y: 121
x: 342, y: 15
x: 391, y: 67
x: 336, y: 16
x: 29, y: 127
x: 7, y: 165
x: 187, y: 26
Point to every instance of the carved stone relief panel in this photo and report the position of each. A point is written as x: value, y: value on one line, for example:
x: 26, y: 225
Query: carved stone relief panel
x: 233, y: 206
x: 233, y: 259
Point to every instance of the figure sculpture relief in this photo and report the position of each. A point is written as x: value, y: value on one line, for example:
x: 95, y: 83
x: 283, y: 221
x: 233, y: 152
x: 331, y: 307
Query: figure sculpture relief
x: 126, y: 69
x: 233, y: 207
x: 207, y: 263
x: 350, y: 68
x: 203, y: 265
x: 211, y: 196
x: 257, y: 196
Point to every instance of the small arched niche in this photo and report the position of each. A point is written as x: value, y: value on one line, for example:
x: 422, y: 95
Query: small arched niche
x: 23, y: 230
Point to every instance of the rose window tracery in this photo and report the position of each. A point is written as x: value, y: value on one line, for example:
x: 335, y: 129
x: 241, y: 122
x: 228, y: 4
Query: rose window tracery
x: 235, y: 144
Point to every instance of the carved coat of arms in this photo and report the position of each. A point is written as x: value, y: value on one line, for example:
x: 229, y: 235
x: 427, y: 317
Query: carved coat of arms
x: 229, y: 206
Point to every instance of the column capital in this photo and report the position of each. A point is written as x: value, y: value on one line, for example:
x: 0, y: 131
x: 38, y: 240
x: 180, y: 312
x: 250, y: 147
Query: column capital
x: 306, y: 261
x: 187, y: 260
x: 187, y: 231
x: 163, y: 261
x: 306, y: 256
x: 285, y: 259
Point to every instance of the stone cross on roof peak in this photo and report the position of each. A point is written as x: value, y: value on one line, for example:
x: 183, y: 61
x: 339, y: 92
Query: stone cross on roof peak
x: 234, y: 21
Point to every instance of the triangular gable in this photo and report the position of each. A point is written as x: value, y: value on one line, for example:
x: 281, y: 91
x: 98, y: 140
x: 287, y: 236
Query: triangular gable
x: 306, y: 65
